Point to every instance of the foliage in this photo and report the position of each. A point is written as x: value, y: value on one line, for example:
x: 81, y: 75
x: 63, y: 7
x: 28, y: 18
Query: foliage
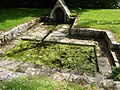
x: 95, y: 3
x: 106, y: 19
x: 116, y: 73
x: 39, y: 83
x: 81, y: 58
x: 51, y: 3
x: 12, y: 17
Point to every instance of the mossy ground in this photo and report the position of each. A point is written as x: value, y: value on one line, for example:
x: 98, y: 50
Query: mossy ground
x: 61, y: 56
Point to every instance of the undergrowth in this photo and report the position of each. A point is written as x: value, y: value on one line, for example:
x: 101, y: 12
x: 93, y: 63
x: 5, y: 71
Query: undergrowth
x: 116, y: 73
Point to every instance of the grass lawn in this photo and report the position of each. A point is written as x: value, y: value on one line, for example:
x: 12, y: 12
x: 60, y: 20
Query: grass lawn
x: 81, y: 58
x: 13, y: 17
x: 108, y: 19
x: 42, y: 83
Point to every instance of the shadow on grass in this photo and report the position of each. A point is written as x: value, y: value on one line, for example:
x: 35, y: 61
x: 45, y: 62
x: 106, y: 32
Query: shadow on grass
x: 88, y: 23
x: 90, y: 20
x: 79, y: 11
x: 19, y: 13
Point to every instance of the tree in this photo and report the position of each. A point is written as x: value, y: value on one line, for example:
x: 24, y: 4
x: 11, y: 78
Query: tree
x: 51, y: 3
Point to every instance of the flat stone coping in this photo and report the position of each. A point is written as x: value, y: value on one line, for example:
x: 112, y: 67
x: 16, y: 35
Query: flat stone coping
x: 60, y: 36
x: 35, y: 37
x: 13, y: 33
x: 73, y: 42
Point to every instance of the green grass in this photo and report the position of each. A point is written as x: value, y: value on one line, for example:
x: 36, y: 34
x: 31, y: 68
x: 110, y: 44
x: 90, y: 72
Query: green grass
x: 13, y: 17
x: 108, y: 19
x: 42, y: 83
x: 81, y: 58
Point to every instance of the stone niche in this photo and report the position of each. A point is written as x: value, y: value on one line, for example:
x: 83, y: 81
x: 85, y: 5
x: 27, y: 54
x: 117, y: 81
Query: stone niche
x: 60, y: 12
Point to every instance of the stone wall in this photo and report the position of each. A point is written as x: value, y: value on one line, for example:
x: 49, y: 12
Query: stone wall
x: 7, y: 36
x: 96, y: 33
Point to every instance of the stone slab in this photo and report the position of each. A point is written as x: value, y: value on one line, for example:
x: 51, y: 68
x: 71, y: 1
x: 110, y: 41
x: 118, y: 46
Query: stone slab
x: 6, y: 75
x: 5, y: 62
x: 104, y: 65
x: 58, y: 33
x: 60, y: 36
x: 13, y: 65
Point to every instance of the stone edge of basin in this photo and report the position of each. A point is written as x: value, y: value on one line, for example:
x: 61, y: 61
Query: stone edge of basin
x: 95, y: 33
x: 13, y: 33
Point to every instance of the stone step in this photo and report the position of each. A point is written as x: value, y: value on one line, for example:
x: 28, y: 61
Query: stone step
x: 60, y: 36
x: 13, y: 66
x: 38, y: 36
x: 58, y: 33
x: 115, y: 59
x: 6, y: 75
x: 104, y: 66
x: 102, y: 59
x: 31, y: 38
x: 5, y: 63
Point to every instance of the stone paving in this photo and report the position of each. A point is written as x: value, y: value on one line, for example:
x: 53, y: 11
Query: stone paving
x: 61, y: 36
x: 10, y: 69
